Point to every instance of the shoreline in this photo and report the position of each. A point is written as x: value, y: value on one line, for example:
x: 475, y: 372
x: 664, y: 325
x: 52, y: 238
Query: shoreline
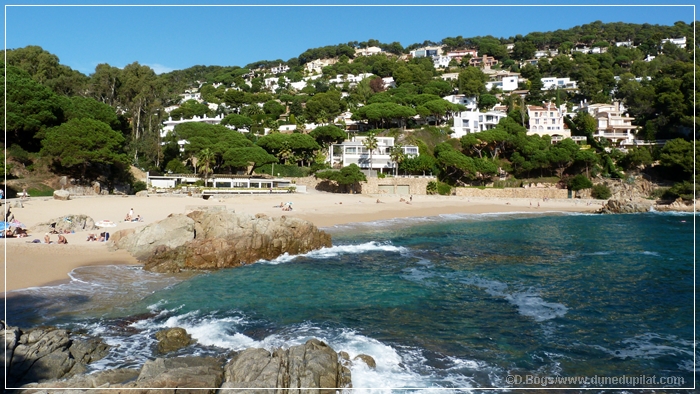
x: 36, y: 264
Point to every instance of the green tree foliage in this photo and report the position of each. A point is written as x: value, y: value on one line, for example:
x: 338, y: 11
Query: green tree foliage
x: 419, y: 165
x: 471, y: 81
x: 677, y: 159
x: 347, y: 176
x: 237, y: 121
x: 456, y: 167
x: 31, y: 109
x: 380, y: 114
x: 580, y: 182
x: 190, y: 109
x: 86, y: 107
x: 326, y: 136
x: 324, y: 107
x: 249, y: 157
x: 84, y: 147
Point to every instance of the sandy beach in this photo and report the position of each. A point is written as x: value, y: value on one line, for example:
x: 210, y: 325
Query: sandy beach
x: 37, y: 264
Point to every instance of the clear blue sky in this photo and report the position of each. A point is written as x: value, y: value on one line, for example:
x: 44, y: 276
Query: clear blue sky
x: 168, y: 38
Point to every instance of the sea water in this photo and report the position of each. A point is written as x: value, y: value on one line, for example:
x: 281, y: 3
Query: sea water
x: 452, y: 301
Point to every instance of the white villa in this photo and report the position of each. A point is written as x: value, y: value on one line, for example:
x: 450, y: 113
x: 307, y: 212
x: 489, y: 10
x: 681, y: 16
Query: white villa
x: 553, y: 83
x: 469, y: 102
x: 427, y: 52
x: 316, y: 66
x: 679, y: 42
x: 467, y: 122
x: 191, y: 95
x: 547, y: 120
x: 351, y: 79
x: 506, y: 83
x: 354, y: 152
x: 368, y: 51
x: 280, y: 69
x: 612, y: 124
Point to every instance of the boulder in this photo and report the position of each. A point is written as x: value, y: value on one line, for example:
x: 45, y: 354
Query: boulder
x: 171, y: 339
x: 47, y: 353
x: 367, y: 360
x: 181, y: 372
x: 313, y: 365
x: 204, y: 240
x: 63, y: 195
x: 69, y: 223
x: 617, y: 206
x: 142, y: 193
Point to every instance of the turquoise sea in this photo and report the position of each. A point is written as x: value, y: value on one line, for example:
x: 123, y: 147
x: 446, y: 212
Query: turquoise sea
x: 452, y: 301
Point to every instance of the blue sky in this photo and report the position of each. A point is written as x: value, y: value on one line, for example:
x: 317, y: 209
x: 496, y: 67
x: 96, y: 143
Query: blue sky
x: 166, y: 37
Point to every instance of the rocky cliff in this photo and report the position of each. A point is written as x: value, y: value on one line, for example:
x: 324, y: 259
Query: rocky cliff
x: 203, y: 240
x: 617, y: 206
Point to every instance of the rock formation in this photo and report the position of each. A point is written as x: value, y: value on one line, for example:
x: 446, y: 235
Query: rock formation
x: 172, y: 339
x: 311, y: 365
x: 40, y: 361
x: 203, y: 240
x: 47, y: 353
x: 63, y: 195
x: 616, y: 206
x: 68, y: 223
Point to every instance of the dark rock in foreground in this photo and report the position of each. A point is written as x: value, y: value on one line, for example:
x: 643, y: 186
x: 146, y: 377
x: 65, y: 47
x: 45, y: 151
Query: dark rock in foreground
x: 204, y: 240
x: 46, y: 353
x: 172, y: 339
x: 47, y: 360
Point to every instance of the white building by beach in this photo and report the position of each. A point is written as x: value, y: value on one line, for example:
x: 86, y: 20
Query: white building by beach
x: 354, y: 152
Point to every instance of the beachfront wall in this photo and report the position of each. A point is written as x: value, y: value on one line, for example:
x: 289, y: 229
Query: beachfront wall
x: 513, y: 192
x: 389, y: 185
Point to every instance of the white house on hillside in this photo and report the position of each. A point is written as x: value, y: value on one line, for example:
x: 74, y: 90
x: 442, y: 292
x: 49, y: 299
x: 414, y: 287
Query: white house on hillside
x: 474, y: 122
x: 612, y: 124
x: 469, y: 102
x: 427, y: 52
x: 368, y: 51
x: 280, y: 69
x: 547, y: 120
x: 554, y: 83
x: 679, y: 42
x: 354, y: 152
x: 506, y: 84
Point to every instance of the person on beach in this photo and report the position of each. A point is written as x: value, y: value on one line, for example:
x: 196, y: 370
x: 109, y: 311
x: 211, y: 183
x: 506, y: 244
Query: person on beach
x: 24, y: 193
x: 62, y: 240
x: 47, y: 238
x: 91, y: 237
x: 410, y: 198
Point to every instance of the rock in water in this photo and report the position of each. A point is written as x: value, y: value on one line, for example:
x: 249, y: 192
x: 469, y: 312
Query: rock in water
x: 313, y: 365
x: 212, y: 240
x: 367, y: 360
x: 172, y: 339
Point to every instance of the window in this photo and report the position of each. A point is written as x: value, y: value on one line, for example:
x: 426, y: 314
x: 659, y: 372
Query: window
x: 545, y: 120
x: 350, y: 150
x: 537, y: 121
x: 551, y: 114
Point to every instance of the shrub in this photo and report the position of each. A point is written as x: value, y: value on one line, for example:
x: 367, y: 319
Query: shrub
x: 580, y: 182
x: 381, y: 175
x: 601, y: 192
x: 138, y: 186
x: 444, y: 189
x: 431, y: 188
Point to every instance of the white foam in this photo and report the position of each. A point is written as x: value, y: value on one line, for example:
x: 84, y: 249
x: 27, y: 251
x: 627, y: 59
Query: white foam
x: 650, y: 346
x: 529, y: 302
x: 338, y: 250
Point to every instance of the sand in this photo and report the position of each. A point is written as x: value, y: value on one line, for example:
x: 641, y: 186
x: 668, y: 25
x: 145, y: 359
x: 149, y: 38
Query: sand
x: 32, y: 265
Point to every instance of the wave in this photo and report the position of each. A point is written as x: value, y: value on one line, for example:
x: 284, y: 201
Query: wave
x: 338, y: 250
x: 529, y: 302
x: 650, y: 346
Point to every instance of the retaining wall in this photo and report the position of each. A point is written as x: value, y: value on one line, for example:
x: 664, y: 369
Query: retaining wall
x: 513, y: 192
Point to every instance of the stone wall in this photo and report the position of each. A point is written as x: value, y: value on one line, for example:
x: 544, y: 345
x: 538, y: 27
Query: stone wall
x: 513, y: 192
x: 396, y: 185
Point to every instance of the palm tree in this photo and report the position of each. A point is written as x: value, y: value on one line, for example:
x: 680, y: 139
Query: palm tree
x: 397, y: 155
x: 371, y: 143
x: 205, y: 159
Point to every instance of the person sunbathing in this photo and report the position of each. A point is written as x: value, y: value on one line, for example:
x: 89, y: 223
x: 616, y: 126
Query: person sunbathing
x: 62, y: 239
x: 47, y: 238
x: 91, y: 237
